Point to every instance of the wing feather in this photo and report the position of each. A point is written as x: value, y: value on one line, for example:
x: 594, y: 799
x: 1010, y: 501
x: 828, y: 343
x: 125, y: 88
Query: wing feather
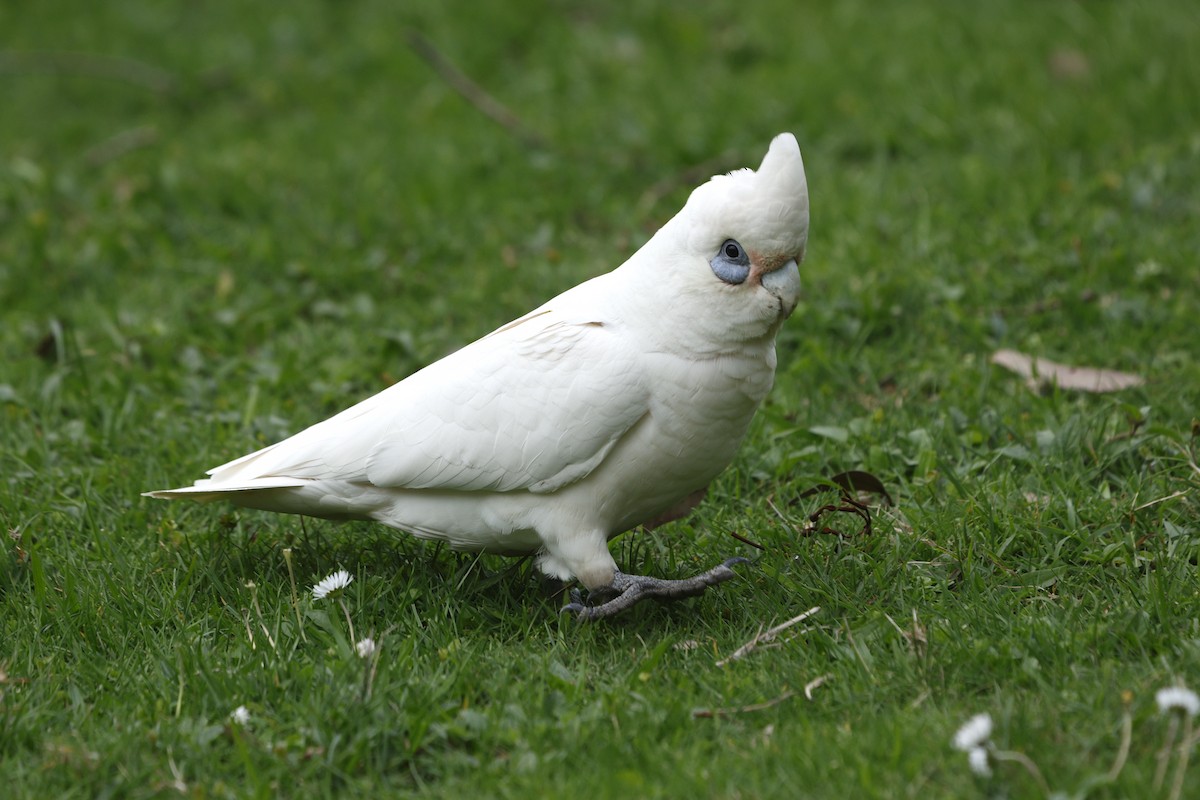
x: 536, y: 405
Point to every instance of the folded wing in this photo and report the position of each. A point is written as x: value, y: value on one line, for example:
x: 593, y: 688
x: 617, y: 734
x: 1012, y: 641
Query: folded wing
x: 534, y: 406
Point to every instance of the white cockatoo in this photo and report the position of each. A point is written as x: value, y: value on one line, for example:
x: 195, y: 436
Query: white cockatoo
x: 611, y: 406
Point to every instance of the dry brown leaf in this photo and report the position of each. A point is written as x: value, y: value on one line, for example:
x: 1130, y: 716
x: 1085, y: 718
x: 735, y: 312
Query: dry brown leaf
x: 1039, y: 372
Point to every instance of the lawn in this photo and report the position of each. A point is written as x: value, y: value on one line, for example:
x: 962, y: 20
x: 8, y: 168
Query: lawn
x: 223, y: 222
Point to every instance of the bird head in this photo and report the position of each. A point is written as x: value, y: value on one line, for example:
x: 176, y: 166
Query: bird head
x: 727, y: 263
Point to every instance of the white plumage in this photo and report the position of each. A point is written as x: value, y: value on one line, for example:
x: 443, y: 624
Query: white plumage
x: 610, y: 406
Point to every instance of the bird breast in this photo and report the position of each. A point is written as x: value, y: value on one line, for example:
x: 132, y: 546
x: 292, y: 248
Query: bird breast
x: 699, y: 413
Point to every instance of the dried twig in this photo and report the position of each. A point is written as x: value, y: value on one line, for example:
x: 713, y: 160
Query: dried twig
x: 1180, y: 493
x: 262, y: 623
x: 90, y: 65
x: 1188, y: 457
x: 124, y: 142
x: 744, y: 540
x: 708, y: 713
x: 846, y: 482
x: 778, y: 513
x: 854, y: 480
x: 471, y: 91
x: 915, y: 636
x: 763, y: 637
x: 813, y: 684
x: 849, y: 506
x: 249, y: 633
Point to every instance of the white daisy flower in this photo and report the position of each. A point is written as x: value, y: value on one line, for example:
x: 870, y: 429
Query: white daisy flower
x: 977, y: 757
x: 1177, y: 697
x: 974, y: 734
x: 366, y: 648
x: 240, y: 715
x: 332, y: 585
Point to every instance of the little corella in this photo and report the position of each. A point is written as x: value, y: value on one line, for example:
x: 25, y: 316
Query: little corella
x: 611, y: 406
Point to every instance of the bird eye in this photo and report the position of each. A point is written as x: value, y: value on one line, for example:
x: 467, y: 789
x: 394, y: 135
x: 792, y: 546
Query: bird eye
x: 731, y: 264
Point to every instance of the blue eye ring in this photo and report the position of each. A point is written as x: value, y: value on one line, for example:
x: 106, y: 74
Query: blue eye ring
x: 731, y: 263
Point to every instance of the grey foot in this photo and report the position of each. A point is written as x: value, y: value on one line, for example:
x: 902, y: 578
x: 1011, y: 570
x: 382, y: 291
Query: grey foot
x: 626, y: 590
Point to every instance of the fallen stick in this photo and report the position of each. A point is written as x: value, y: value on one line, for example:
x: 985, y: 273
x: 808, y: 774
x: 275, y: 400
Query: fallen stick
x: 89, y: 65
x: 708, y: 713
x: 764, y: 637
x: 471, y: 91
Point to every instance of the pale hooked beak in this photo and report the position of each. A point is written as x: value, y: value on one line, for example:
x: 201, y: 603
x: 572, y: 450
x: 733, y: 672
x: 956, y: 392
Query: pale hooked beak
x: 784, y: 283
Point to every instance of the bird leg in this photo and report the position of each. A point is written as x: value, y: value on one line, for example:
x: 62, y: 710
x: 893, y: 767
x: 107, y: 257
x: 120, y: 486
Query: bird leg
x: 626, y: 590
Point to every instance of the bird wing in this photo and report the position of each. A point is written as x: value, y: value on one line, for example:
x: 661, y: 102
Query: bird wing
x: 536, y: 405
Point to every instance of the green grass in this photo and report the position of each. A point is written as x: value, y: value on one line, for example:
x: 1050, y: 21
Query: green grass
x: 278, y: 211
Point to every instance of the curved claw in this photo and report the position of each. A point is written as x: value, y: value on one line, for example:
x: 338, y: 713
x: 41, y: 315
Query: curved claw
x: 627, y: 590
x: 577, y: 603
